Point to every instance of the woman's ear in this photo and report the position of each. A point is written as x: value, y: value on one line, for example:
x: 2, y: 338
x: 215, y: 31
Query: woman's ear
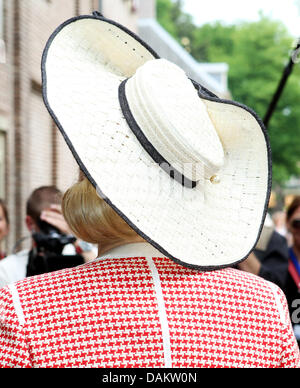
x: 288, y: 226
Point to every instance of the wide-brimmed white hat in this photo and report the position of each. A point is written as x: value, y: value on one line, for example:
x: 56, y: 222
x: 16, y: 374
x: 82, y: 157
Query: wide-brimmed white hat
x: 189, y: 172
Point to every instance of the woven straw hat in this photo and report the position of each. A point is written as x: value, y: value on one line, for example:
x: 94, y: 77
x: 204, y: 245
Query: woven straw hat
x: 191, y: 173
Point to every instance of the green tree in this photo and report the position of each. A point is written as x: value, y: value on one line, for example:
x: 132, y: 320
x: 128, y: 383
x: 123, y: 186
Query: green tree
x: 256, y: 53
x: 177, y: 23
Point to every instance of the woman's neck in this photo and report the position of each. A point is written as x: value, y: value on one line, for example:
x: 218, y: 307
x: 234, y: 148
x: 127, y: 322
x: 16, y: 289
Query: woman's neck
x: 102, y: 249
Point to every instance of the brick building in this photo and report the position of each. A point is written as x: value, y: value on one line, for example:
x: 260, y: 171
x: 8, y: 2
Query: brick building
x: 32, y: 152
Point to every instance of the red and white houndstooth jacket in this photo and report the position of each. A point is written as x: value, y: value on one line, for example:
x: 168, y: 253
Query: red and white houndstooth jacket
x: 127, y: 311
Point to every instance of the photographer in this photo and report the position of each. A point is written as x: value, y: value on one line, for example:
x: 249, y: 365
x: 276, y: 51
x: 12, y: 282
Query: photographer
x: 52, y: 245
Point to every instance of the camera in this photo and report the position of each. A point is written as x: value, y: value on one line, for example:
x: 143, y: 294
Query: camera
x: 47, y: 255
x: 50, y: 239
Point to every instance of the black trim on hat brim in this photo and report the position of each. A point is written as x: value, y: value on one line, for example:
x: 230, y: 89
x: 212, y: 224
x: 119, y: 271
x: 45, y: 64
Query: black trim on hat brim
x: 147, y: 145
x: 203, y: 93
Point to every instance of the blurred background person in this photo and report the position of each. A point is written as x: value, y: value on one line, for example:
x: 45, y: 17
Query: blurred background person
x: 53, y: 247
x: 4, y: 227
x: 293, y: 280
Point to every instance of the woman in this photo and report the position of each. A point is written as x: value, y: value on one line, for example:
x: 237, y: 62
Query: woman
x: 293, y: 281
x: 175, y: 192
x: 4, y: 227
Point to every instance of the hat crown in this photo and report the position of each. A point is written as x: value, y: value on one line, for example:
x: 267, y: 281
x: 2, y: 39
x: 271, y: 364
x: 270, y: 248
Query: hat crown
x: 174, y: 119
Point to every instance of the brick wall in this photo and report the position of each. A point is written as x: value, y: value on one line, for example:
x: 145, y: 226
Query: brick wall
x: 35, y: 151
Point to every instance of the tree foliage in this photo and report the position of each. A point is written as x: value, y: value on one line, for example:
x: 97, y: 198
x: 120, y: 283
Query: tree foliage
x: 257, y: 53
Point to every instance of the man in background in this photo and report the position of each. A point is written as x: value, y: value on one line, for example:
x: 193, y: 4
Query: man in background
x: 52, y: 245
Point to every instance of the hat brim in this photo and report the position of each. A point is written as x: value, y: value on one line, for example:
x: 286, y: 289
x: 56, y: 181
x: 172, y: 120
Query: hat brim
x: 206, y: 228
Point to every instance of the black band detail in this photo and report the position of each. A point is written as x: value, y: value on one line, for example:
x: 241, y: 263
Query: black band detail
x: 145, y: 143
x: 97, y: 14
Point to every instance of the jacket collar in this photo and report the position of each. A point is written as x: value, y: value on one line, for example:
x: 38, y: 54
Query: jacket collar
x: 132, y: 250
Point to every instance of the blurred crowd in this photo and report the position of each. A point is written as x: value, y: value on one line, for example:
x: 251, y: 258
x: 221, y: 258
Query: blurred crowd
x: 276, y: 257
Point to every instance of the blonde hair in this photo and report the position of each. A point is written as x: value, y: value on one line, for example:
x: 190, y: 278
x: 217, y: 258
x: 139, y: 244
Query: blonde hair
x: 93, y: 220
